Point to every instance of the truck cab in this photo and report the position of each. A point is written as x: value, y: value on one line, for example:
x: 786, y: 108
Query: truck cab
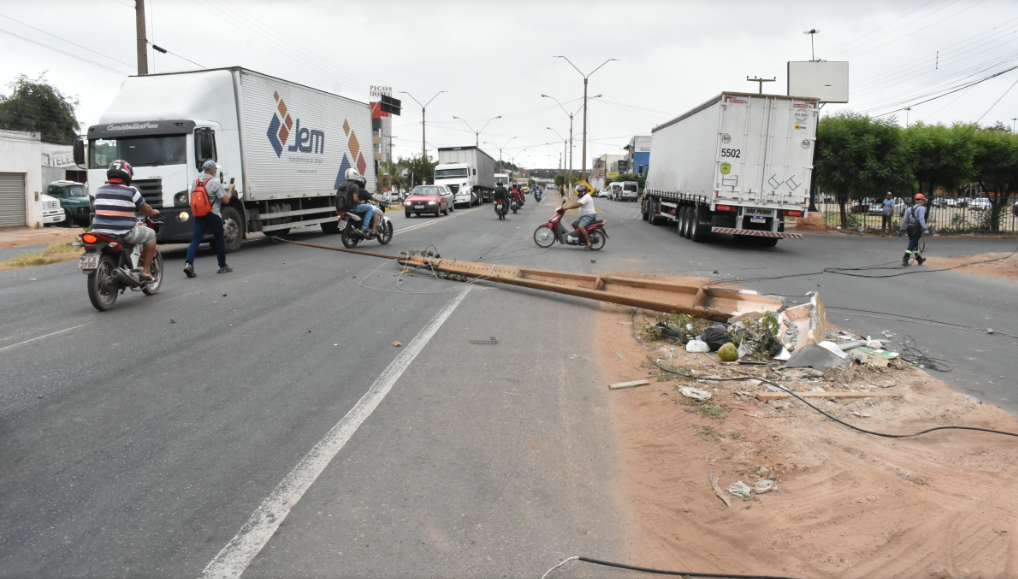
x: 460, y: 178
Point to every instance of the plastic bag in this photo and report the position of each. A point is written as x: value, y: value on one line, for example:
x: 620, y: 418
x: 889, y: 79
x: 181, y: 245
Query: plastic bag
x: 716, y: 336
x: 696, y: 346
x: 670, y: 333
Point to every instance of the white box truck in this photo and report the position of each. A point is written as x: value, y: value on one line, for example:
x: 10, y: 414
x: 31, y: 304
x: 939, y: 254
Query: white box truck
x: 739, y: 163
x: 469, y: 172
x: 287, y: 146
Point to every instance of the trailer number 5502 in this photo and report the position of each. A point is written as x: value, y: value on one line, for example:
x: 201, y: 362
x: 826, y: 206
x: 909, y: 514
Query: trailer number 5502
x: 731, y: 153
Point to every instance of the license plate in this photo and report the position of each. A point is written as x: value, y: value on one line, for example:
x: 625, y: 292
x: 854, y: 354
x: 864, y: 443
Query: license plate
x: 418, y: 207
x: 758, y: 220
x: 342, y: 224
x: 89, y: 261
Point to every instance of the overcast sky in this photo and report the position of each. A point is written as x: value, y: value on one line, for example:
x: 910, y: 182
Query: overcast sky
x: 497, y: 58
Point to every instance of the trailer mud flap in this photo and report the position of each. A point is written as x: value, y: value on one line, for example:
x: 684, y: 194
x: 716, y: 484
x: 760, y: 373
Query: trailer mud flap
x: 753, y: 233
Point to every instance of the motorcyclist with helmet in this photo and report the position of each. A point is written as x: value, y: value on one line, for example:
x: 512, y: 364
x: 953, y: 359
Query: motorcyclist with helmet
x: 585, y: 203
x: 914, y: 225
x: 362, y: 198
x: 116, y: 205
x: 500, y: 194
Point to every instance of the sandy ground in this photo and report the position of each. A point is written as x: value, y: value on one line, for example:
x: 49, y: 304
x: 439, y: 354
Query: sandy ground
x: 20, y: 236
x: 1004, y: 268
x: 851, y: 504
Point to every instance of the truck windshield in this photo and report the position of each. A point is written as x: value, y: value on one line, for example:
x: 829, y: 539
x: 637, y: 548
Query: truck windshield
x: 450, y: 173
x: 138, y: 151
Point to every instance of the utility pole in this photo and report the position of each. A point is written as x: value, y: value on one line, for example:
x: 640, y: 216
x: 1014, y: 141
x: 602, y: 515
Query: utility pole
x: 760, y: 81
x: 424, y: 135
x: 583, y: 159
x: 500, y: 149
x: 477, y: 134
x: 812, y: 49
x: 139, y: 22
x: 907, y: 109
x: 1014, y: 121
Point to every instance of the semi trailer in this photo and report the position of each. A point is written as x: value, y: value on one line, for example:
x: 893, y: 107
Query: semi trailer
x: 468, y: 172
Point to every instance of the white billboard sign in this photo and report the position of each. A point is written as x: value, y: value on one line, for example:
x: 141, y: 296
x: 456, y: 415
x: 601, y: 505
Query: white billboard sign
x: 823, y: 80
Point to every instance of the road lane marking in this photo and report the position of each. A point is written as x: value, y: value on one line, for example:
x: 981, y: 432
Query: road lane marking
x: 259, y: 528
x: 41, y: 337
x: 420, y: 225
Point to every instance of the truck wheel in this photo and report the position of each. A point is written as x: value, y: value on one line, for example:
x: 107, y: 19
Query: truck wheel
x: 682, y: 221
x: 700, y: 231
x: 646, y: 210
x: 233, y: 229
x: 690, y: 222
x: 767, y: 241
x: 331, y: 226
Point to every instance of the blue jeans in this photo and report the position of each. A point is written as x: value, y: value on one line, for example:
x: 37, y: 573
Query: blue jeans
x: 215, y: 223
x: 587, y: 220
x: 914, y: 233
x: 369, y: 211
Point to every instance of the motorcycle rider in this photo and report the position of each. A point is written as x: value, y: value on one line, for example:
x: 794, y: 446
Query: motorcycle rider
x: 500, y: 193
x: 115, y: 206
x: 914, y: 224
x: 585, y: 202
x: 363, y: 200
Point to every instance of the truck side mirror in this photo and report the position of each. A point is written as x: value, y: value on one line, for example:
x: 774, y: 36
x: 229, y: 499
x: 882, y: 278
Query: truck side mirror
x: 475, y: 172
x: 79, y: 152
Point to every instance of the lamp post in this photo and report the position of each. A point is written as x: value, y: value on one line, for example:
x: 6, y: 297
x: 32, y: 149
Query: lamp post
x: 564, y: 144
x: 424, y: 135
x: 583, y: 170
x: 500, y: 149
x: 571, y: 115
x: 477, y: 134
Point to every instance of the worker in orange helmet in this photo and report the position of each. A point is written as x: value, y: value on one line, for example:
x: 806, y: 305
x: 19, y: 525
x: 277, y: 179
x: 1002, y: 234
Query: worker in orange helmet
x: 914, y: 225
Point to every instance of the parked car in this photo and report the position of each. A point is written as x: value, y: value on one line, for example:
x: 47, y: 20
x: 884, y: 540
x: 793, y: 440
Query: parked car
x: 428, y: 199
x: 51, y: 210
x: 606, y: 192
x: 980, y: 204
x: 74, y: 201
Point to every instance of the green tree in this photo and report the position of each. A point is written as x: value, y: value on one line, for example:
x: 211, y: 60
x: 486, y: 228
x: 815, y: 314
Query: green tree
x: 640, y: 178
x: 941, y: 155
x: 420, y: 171
x: 858, y: 157
x: 37, y: 106
x: 995, y: 167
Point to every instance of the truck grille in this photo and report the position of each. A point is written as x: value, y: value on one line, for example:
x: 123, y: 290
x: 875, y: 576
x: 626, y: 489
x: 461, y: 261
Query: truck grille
x: 151, y: 190
x: 454, y: 188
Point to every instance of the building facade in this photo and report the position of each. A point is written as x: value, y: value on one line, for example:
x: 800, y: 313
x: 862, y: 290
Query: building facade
x: 638, y: 155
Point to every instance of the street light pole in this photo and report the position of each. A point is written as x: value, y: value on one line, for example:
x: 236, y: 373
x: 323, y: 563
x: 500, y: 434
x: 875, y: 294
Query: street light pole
x: 500, y: 149
x: 583, y: 170
x: 564, y: 144
x: 424, y: 135
x: 477, y: 134
x: 571, y: 115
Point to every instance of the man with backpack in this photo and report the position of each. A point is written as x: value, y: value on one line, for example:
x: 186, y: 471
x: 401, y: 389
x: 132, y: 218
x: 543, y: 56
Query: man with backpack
x: 207, y: 198
x: 914, y: 224
x: 359, y: 199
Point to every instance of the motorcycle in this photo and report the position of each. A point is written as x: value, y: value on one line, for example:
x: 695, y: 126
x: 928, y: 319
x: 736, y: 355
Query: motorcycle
x: 351, y: 231
x: 537, y: 196
x: 514, y: 204
x: 551, y: 231
x: 501, y: 208
x: 113, y: 267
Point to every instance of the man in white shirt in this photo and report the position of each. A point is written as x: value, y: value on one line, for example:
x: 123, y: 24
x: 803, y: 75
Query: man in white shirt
x: 585, y: 201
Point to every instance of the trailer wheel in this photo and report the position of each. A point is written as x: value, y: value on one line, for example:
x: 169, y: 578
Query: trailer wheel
x: 656, y: 218
x: 700, y: 231
x: 683, y: 218
x: 767, y: 241
x: 646, y: 210
x: 690, y: 221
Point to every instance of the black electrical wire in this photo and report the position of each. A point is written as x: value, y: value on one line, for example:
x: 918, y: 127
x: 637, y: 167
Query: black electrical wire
x: 677, y: 573
x: 910, y: 352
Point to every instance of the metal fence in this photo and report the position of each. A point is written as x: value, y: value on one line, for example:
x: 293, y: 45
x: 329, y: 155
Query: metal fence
x: 944, y: 215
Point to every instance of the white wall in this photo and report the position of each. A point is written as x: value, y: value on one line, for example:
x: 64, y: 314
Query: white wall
x: 20, y: 152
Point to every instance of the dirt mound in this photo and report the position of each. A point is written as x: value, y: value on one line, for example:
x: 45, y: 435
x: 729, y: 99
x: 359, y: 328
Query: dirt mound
x: 1006, y: 268
x: 812, y: 222
x: 850, y: 504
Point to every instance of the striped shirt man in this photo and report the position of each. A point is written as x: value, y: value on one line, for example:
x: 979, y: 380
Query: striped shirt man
x: 116, y: 205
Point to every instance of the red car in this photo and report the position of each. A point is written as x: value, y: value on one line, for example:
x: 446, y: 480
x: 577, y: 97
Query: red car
x: 426, y: 199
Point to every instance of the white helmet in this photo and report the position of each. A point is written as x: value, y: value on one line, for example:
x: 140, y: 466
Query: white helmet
x: 354, y: 175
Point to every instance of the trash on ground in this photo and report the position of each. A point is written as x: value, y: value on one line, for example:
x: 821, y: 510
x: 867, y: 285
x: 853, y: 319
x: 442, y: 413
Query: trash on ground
x: 833, y: 348
x: 813, y: 356
x: 669, y: 333
x: 717, y: 488
x: 491, y: 340
x: 869, y: 358
x: 802, y: 325
x: 694, y: 393
x: 632, y: 384
x: 397, y: 344
x: 728, y: 353
x: 716, y: 336
x: 744, y: 491
x: 696, y: 346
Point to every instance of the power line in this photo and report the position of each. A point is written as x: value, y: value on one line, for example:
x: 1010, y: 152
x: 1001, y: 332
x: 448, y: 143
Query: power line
x: 64, y: 52
x: 65, y: 40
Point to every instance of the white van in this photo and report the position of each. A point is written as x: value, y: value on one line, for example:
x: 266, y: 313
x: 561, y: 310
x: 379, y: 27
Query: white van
x: 630, y: 191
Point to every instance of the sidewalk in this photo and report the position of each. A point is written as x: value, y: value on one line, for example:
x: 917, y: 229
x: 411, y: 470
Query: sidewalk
x: 24, y: 236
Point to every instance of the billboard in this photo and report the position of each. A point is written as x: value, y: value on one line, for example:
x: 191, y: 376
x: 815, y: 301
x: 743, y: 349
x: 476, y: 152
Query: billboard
x: 823, y: 80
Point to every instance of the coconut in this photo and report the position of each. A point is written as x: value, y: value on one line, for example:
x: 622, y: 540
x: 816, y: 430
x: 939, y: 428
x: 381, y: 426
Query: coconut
x: 728, y: 352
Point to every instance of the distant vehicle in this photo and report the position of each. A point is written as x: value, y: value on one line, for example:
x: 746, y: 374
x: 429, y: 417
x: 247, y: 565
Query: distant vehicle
x: 74, y: 200
x: 981, y: 204
x: 606, y: 192
x: 616, y: 191
x: 51, y: 210
x: 503, y: 180
x: 468, y: 172
x: 630, y: 191
x: 450, y: 197
x: 427, y: 199
x: 738, y: 164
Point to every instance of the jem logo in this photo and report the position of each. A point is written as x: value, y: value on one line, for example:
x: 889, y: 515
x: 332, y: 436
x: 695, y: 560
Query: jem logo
x: 281, y: 127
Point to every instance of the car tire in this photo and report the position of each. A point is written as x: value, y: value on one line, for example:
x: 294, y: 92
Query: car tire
x: 233, y: 229
x: 67, y: 222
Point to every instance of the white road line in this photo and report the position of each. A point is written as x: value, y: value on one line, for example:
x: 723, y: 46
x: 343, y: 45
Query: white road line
x: 418, y: 226
x: 41, y: 337
x: 252, y: 537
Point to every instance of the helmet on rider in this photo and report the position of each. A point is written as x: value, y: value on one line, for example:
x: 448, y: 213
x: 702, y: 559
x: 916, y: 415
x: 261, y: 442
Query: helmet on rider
x: 920, y: 197
x: 120, y: 172
x: 582, y: 189
x: 354, y: 175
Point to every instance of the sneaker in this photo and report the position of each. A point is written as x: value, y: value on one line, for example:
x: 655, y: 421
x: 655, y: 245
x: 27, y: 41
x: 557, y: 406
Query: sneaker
x: 189, y: 270
x: 224, y: 269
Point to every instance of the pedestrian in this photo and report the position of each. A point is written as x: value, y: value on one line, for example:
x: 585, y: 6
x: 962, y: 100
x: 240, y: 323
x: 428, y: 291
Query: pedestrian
x: 914, y: 224
x: 887, y: 214
x: 214, y: 220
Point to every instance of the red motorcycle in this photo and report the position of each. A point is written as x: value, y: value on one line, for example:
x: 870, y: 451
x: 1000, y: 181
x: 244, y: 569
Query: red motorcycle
x: 113, y: 267
x: 548, y: 233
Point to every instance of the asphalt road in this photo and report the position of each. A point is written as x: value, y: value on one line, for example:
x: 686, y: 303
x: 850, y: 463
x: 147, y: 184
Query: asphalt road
x: 177, y: 431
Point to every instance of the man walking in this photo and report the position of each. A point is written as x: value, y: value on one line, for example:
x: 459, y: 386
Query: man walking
x: 888, y: 214
x: 213, y: 221
x: 914, y: 224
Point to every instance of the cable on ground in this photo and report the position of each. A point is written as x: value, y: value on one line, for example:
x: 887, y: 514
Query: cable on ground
x: 657, y: 571
x: 910, y: 352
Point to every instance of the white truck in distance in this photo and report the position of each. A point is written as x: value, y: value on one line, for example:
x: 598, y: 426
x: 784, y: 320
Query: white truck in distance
x: 739, y: 163
x: 468, y: 172
x: 503, y: 180
x: 287, y: 146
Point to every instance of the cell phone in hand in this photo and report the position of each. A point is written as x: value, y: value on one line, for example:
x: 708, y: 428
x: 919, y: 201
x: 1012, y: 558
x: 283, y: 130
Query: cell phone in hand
x: 232, y: 179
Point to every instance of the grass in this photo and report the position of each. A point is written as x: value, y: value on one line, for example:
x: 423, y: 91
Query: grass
x: 55, y: 253
x: 712, y: 410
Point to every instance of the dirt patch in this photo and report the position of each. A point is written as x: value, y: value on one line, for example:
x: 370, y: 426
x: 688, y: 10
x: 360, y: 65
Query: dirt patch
x: 55, y: 253
x: 1004, y: 268
x: 21, y: 236
x: 851, y: 505
x: 812, y: 222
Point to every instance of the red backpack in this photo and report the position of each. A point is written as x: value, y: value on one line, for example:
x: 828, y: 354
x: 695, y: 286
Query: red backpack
x: 200, y: 203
